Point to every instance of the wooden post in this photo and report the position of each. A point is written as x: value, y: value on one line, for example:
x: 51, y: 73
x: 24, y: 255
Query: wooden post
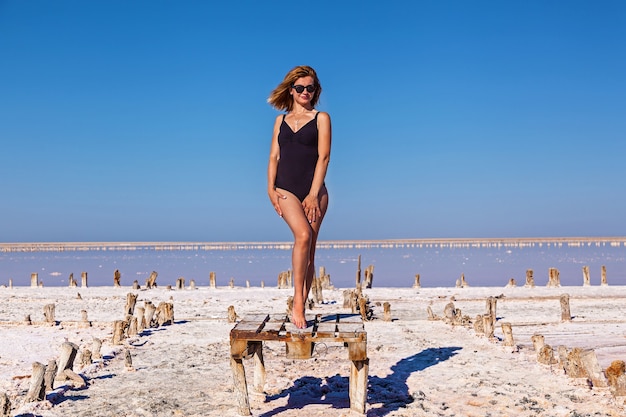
x: 131, y: 300
x: 231, y: 283
x: 49, y: 375
x: 262, y: 284
x: 488, y: 325
x: 212, y: 282
x: 538, y: 341
x: 417, y: 281
x: 118, y: 332
x: 565, y: 311
x: 151, y: 281
x: 84, y: 320
x: 150, y: 310
x: 34, y: 280
x: 386, y: 311
x: 71, y: 282
x: 165, y: 314
x: 616, y: 376
x: 5, y: 405
x: 141, y: 319
x: 237, y: 347
x: 591, y: 365
x: 369, y: 276
x: 192, y: 284
x: 464, y: 283
x: 37, y: 390
x: 132, y: 326
x: 530, y: 281
x: 232, y: 315
x: 136, y: 285
x: 479, y: 324
x: 431, y: 315
x: 95, y: 349
x: 83, y: 279
x: 66, y: 359
x: 117, y: 278
x: 85, y: 358
x: 359, y: 370
x: 358, y: 274
x: 512, y: 283
x: 259, y: 365
x: 10, y: 287
x: 180, y: 283
x: 586, y: 278
x: 554, y: 280
x: 492, y: 303
x: 48, y: 312
x: 347, y: 298
x: 507, y: 331
x: 363, y: 308
x: 603, y: 280
x: 128, y: 360
x: 572, y: 362
x: 546, y: 355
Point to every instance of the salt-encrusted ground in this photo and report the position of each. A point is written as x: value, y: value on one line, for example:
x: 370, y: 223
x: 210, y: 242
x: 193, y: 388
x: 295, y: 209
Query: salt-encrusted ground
x: 417, y: 367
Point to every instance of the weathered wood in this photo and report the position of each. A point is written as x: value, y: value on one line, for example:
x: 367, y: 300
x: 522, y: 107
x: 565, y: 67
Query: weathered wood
x: 616, y: 378
x: 571, y: 362
x: 530, y: 280
x: 489, y: 326
x: 85, y: 358
x: 133, y: 329
x: 417, y: 283
x: 231, y: 283
x: 546, y: 355
x: 386, y: 311
x: 369, y: 276
x: 212, y: 280
x: 71, y: 282
x: 151, y: 281
x: 491, y: 305
x: 479, y: 324
x: 95, y: 348
x: 118, y: 331
x: 77, y: 380
x: 192, y: 284
x: 117, y: 278
x: 241, y: 387
x: 66, y: 359
x: 259, y: 366
x: 11, y: 287
x: 48, y: 313
x: 37, y: 390
x: 128, y: 360
x: 512, y: 283
x: 165, y: 314
x: 358, y: 385
x: 566, y: 315
x: 586, y: 277
x: 232, y: 315
x: 603, y: 280
x: 538, y: 341
x: 34, y: 280
x: 507, y: 331
x: 83, y: 279
x: 131, y: 300
x: 358, y: 274
x: 5, y: 405
x: 136, y: 285
x: 262, y: 284
x: 431, y: 315
x: 180, y: 283
x: 50, y: 375
x: 150, y: 310
x: 554, y: 280
x: 592, y: 367
x: 140, y: 313
x: 84, y: 320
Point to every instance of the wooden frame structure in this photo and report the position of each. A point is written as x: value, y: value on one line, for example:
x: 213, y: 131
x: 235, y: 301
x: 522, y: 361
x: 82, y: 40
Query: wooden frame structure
x: 247, y: 337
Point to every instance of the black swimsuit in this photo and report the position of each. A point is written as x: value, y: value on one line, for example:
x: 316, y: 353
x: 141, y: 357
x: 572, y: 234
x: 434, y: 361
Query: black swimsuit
x: 298, y: 158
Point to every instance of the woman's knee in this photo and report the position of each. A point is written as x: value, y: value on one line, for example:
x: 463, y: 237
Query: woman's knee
x: 303, y: 237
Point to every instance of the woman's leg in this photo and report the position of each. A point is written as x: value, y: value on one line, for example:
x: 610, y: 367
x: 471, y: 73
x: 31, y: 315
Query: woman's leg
x: 305, y: 237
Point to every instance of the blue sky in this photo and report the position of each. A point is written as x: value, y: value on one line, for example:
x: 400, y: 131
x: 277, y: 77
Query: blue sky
x: 148, y: 121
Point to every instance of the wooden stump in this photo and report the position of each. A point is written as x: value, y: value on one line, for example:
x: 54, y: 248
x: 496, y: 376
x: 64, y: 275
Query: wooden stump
x: 136, y: 285
x: 11, y: 287
x: 232, y: 315
x: 118, y: 332
x: 151, y: 281
x: 49, y: 375
x: 363, y: 308
x: 479, y: 324
x: 386, y: 311
x: 492, y: 303
x: 150, y: 310
x: 616, y: 377
x: 66, y: 359
x: 530, y: 281
x: 141, y: 319
x: 165, y: 314
x: 566, y: 315
x: 77, y: 380
x: 131, y: 300
x: 37, y: 390
x: 538, y: 341
x: 5, y: 405
x: 34, y: 280
x: 603, y: 280
x: 231, y: 283
x: 358, y: 274
x: 507, y: 331
x: 464, y: 283
x: 180, y: 283
x: 128, y: 360
x: 132, y: 327
x: 95, y: 350
x: 489, y: 325
x: 594, y: 371
x: 512, y: 283
x: 554, y: 280
x: 83, y: 279
x: 369, y: 276
x: 85, y: 358
x: 84, y: 321
x: 48, y: 312
x: 212, y: 282
x: 546, y: 355
x: 192, y: 284
x: 71, y: 282
x: 417, y: 284
x: 586, y: 277
x: 431, y: 315
x: 117, y: 278
x: 347, y: 298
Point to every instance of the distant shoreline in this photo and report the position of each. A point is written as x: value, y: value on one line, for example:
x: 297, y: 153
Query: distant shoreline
x: 615, y: 241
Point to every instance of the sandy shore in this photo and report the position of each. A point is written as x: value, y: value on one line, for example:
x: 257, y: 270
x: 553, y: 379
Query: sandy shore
x: 418, y: 367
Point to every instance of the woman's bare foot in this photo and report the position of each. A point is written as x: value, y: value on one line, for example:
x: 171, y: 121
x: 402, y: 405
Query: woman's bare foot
x: 297, y: 315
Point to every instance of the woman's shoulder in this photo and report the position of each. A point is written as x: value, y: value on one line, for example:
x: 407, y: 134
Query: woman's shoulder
x: 322, y: 115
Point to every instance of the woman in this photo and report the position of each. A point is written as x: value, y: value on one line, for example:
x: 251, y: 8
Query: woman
x: 299, y: 158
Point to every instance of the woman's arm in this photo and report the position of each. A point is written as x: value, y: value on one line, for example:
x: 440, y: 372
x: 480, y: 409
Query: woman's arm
x: 272, y: 167
x: 324, y: 139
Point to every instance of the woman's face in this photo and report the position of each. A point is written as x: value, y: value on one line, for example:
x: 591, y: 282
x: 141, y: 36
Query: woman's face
x: 303, y: 84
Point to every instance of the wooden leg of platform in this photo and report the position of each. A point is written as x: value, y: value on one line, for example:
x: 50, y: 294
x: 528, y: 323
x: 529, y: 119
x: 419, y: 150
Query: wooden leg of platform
x: 358, y: 385
x: 241, y: 388
x: 259, y: 367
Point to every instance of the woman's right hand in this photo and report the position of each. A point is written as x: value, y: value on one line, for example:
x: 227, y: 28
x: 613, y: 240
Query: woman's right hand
x: 274, y: 197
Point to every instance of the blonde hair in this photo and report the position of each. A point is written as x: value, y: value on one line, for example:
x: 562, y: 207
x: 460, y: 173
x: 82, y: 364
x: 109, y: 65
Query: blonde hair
x: 281, y: 99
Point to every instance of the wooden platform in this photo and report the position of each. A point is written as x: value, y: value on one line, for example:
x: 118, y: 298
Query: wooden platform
x: 247, y: 337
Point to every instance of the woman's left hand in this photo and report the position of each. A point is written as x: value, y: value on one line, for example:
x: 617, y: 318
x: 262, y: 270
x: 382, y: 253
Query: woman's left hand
x: 311, y: 207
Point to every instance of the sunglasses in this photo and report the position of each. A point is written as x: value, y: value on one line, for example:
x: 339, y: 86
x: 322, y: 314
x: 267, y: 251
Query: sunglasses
x: 300, y: 88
